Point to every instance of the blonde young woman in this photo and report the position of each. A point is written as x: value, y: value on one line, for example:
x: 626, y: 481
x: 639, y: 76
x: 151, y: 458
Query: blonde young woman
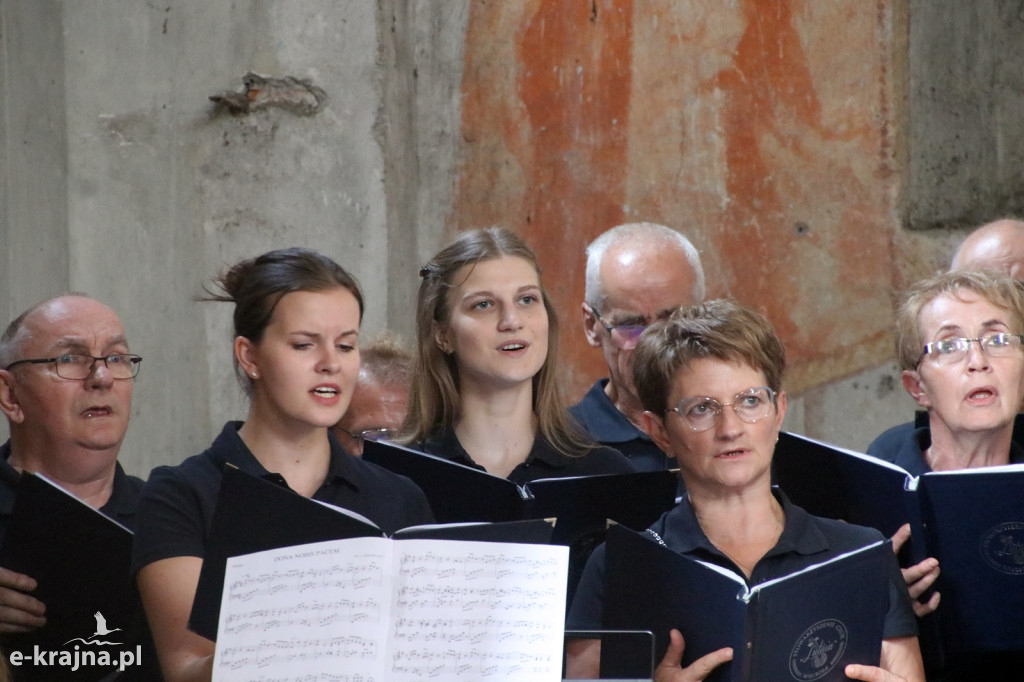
x: 485, y: 391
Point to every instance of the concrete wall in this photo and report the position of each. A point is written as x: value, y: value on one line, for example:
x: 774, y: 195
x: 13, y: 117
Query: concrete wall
x: 784, y: 137
x: 966, y: 97
x: 122, y: 180
x: 34, y: 151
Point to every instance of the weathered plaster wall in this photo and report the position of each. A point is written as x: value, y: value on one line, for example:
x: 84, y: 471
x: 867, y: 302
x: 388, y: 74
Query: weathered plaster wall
x: 738, y: 123
x: 33, y: 147
x: 966, y: 94
x: 775, y: 134
x: 162, y: 192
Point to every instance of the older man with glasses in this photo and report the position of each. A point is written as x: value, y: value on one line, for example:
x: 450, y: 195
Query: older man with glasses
x: 66, y: 390
x: 380, y: 400
x: 636, y: 273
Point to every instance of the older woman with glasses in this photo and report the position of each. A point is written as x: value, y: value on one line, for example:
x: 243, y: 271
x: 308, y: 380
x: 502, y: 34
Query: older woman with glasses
x: 959, y: 345
x: 709, y: 378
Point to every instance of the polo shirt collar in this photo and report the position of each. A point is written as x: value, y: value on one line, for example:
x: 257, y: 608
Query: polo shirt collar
x: 122, y: 500
x: 230, y: 449
x: 911, y: 456
x: 9, y: 478
x: 604, y: 421
x: 1016, y: 453
x: 448, y: 444
x: 800, y: 534
x: 449, y: 447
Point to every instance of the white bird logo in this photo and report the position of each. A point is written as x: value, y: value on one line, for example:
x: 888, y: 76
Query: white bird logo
x: 101, y: 625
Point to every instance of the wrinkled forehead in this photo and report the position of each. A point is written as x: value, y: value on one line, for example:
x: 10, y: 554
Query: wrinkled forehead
x: 963, y: 310
x: 647, y: 282
x: 73, y: 323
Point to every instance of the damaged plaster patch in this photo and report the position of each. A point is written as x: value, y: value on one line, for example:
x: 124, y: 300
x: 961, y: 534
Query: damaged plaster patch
x: 296, y: 95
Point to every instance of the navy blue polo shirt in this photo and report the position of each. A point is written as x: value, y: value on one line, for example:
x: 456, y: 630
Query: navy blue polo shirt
x: 806, y: 540
x: 544, y: 461
x: 177, y: 504
x: 904, y: 445
x: 599, y: 417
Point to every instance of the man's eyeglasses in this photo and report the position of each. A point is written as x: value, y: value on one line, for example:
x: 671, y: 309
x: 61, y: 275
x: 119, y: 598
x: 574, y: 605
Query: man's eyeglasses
x: 751, y: 405
x: 76, y: 367
x: 381, y: 434
x: 953, y: 351
x: 624, y: 336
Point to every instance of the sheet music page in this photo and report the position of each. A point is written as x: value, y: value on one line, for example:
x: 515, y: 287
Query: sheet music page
x: 311, y: 612
x: 478, y: 611
x: 345, y: 611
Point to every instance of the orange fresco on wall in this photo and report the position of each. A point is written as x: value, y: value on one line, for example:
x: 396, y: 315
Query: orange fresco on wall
x: 733, y: 121
x: 561, y: 119
x: 824, y: 282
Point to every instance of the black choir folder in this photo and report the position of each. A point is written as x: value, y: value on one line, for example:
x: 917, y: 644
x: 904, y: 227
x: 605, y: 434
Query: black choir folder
x: 80, y: 560
x: 804, y: 626
x: 253, y: 515
x: 582, y: 505
x: 971, y: 520
x: 842, y: 484
x: 461, y: 493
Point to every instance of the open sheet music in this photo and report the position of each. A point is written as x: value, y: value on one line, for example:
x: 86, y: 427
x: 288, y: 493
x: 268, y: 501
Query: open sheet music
x: 382, y: 610
x: 582, y: 504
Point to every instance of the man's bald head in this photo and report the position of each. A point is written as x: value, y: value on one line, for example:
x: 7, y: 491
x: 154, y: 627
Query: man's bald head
x: 633, y: 246
x: 998, y: 245
x: 637, y: 273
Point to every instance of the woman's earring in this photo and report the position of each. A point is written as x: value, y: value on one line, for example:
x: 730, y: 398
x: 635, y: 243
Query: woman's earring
x: 254, y: 374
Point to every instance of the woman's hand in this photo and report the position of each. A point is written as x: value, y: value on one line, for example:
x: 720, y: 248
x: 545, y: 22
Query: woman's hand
x: 19, y: 611
x: 670, y: 669
x: 919, y: 577
x: 870, y: 673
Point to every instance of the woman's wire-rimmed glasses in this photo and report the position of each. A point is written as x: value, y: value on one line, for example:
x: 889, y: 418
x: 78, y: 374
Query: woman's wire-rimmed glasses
x: 377, y: 434
x: 953, y: 351
x: 701, y: 413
